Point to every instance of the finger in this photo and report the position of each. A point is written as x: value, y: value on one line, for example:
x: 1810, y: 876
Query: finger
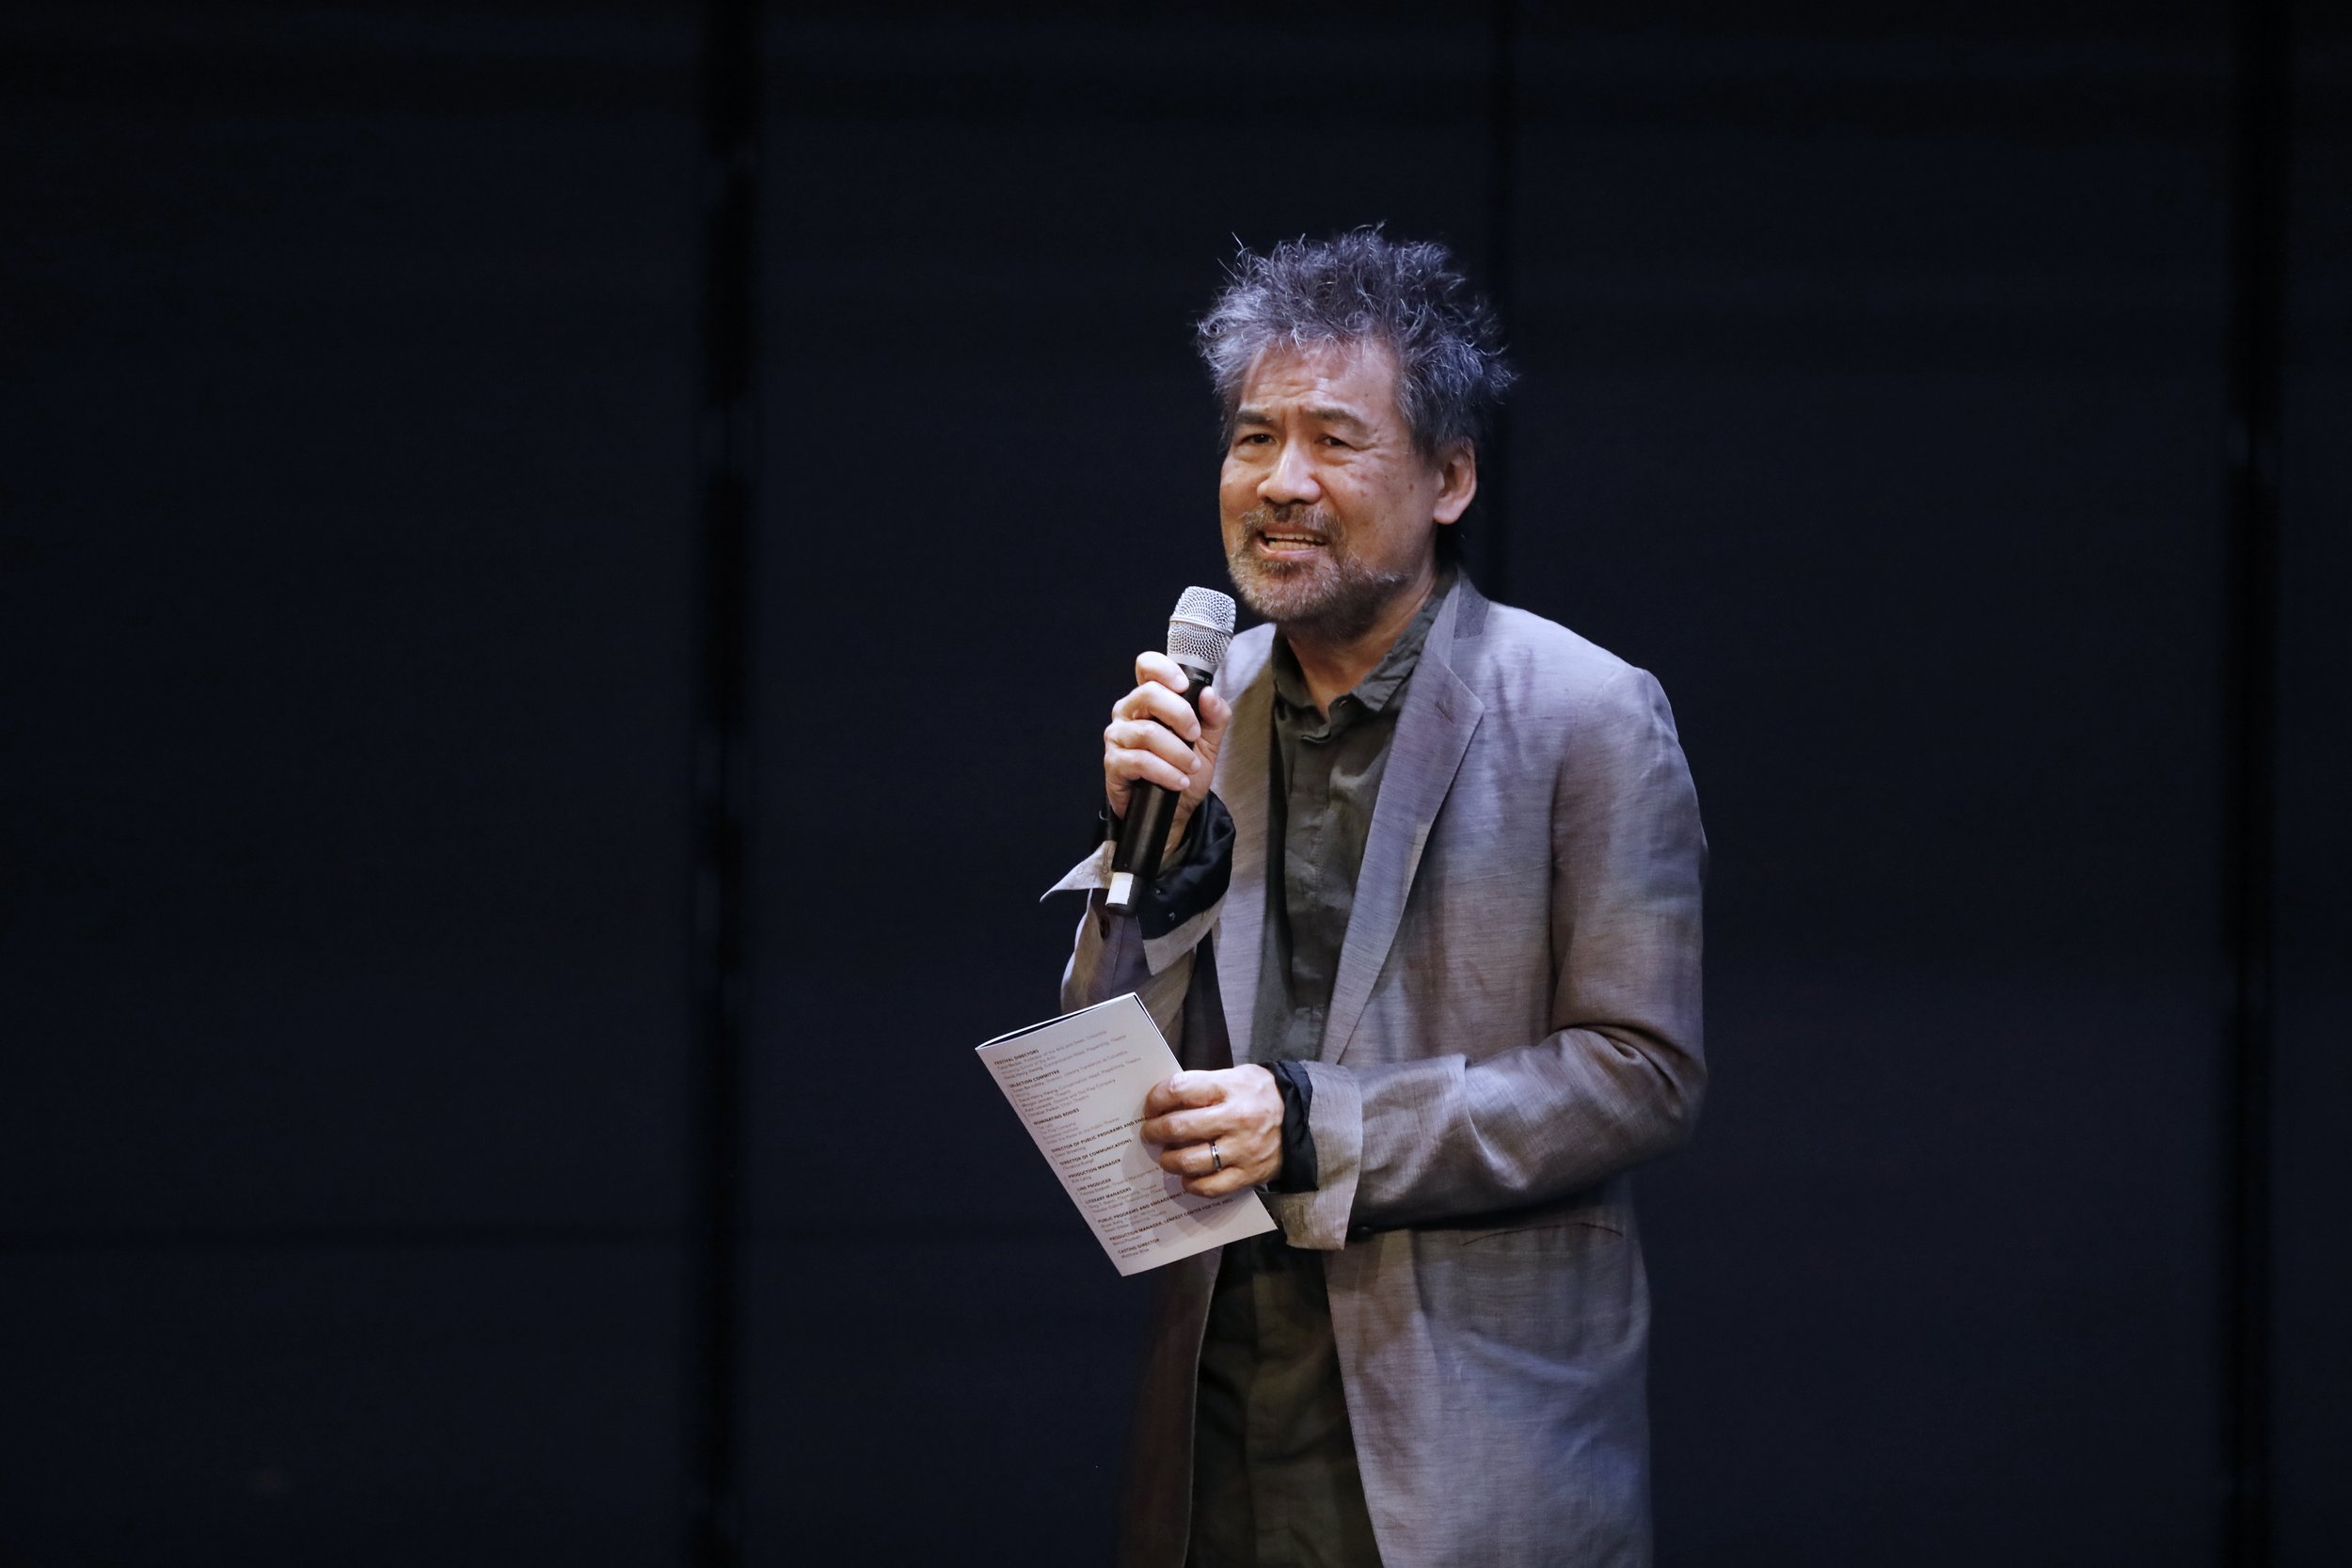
x: 1188, y: 1127
x: 1191, y: 1161
x: 1193, y: 1087
x: 1180, y: 1091
x: 1216, y: 713
x: 1124, y: 764
x: 1233, y: 1179
x: 1177, y: 1096
x: 1149, y: 735
x: 1251, y: 1157
x: 1157, y: 702
x: 1203, y: 1162
x: 1152, y: 666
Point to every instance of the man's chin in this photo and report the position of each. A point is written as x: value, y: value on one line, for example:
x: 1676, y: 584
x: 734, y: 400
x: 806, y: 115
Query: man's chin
x: 1279, y: 592
x: 1305, y: 599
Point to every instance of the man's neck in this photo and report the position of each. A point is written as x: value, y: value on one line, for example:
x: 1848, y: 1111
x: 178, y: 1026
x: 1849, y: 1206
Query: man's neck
x: 1334, y: 668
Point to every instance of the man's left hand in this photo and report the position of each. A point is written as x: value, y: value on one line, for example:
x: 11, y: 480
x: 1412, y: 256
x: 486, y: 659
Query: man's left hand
x: 1238, y: 1110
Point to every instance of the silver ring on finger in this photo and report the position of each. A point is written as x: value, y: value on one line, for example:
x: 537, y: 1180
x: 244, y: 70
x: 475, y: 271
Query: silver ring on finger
x: 1217, y: 1160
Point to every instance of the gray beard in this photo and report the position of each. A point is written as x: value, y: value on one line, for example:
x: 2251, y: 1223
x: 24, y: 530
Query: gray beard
x: 1336, y: 601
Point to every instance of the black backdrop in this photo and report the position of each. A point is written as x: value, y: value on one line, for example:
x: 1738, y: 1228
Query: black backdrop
x: 357, y: 462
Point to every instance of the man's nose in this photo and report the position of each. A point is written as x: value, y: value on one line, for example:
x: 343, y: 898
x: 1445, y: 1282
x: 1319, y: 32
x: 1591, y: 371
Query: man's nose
x: 1291, y: 479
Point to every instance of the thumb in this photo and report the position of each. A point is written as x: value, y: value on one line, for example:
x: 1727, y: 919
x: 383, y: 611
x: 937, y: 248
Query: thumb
x: 1216, y: 713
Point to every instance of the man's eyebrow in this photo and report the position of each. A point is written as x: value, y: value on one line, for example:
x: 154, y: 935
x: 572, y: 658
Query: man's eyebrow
x: 1320, y: 412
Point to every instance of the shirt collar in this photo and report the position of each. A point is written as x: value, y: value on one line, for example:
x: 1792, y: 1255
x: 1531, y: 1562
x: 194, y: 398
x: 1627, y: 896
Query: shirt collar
x: 1376, y: 691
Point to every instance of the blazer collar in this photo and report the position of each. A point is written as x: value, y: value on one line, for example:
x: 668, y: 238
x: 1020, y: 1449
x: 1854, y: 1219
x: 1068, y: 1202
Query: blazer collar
x: 1432, y: 733
x: 1245, y: 777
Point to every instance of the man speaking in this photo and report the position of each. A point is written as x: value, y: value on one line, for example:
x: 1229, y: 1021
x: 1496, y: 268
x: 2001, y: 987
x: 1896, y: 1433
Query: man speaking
x: 1426, y: 939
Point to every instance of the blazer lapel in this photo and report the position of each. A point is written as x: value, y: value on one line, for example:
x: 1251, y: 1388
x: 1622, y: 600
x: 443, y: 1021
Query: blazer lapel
x: 1432, y: 733
x: 1245, y: 774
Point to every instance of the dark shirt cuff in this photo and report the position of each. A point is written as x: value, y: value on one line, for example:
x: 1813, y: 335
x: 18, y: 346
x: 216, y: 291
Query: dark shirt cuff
x: 1195, y: 875
x: 1300, y: 1172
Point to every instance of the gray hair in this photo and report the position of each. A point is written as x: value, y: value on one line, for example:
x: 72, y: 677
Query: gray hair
x: 1361, y: 286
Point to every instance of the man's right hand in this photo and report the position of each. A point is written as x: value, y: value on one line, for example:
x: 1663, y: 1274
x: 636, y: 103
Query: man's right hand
x: 1154, y: 738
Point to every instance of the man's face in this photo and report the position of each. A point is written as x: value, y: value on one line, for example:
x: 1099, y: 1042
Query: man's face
x: 1329, y: 512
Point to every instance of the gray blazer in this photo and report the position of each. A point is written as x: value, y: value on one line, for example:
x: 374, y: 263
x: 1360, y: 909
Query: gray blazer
x: 1515, y: 1027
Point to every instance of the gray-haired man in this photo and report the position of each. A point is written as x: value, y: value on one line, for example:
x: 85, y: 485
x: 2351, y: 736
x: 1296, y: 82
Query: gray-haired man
x: 1429, y: 948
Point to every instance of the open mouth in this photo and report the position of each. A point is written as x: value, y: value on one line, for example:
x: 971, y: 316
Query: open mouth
x: 1297, y: 539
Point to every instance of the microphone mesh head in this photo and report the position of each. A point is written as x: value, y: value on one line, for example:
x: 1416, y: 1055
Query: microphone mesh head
x: 1200, y: 628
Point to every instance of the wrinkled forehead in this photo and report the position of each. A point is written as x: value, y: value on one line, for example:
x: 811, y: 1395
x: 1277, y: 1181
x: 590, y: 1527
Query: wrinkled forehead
x: 1358, y: 375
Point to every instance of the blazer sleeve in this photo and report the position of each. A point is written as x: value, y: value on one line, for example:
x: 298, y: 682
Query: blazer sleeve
x: 1618, y: 1079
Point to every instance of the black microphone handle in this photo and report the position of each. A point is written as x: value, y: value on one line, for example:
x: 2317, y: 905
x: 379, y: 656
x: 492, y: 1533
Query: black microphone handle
x: 1143, y: 831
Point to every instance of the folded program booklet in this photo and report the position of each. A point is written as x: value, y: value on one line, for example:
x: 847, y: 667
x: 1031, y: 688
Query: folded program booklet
x: 1078, y: 1083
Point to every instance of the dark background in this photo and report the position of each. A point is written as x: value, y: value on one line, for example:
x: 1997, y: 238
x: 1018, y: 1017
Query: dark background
x: 358, y: 451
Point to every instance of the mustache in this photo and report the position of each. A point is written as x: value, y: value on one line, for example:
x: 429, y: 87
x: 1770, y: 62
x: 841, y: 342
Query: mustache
x: 1261, y: 520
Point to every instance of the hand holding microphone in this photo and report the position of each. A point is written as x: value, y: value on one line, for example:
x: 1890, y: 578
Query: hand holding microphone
x: 1159, y: 750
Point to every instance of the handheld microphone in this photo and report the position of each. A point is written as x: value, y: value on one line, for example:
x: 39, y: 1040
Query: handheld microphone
x: 1198, y: 634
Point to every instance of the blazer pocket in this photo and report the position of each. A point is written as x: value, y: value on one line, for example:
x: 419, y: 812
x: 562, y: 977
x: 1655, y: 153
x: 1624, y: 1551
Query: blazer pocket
x: 1582, y: 1212
x: 1535, y: 1230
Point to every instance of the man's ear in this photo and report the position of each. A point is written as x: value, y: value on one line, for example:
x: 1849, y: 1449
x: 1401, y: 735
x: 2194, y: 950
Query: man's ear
x: 1457, y: 482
